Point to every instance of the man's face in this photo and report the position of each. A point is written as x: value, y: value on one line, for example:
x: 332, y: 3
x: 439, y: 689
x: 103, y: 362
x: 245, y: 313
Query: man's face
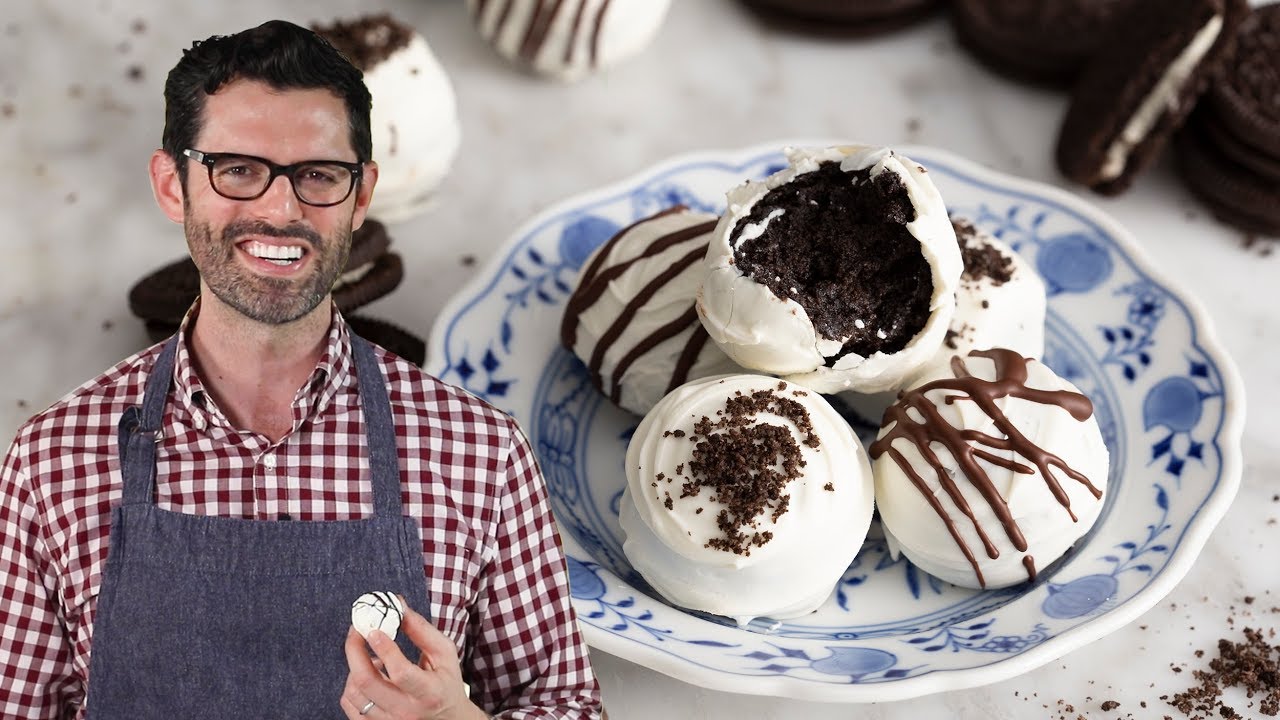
x: 273, y: 259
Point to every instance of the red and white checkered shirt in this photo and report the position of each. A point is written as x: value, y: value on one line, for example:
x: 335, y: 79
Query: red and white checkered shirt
x: 491, y: 555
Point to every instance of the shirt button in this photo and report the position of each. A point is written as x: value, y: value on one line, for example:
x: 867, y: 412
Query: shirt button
x: 269, y: 460
x: 199, y: 421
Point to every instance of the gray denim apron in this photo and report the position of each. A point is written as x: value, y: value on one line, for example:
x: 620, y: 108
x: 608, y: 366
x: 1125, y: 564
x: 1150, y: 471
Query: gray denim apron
x: 204, y: 617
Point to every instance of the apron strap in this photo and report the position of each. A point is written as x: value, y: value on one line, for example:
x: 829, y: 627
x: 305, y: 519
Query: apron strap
x: 379, y: 430
x: 139, y: 428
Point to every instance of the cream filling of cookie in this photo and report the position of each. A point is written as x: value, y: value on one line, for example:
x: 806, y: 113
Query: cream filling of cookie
x: 353, y: 276
x: 1163, y: 97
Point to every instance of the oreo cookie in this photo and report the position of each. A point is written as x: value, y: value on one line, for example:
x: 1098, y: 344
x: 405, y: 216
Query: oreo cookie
x: 393, y: 338
x: 843, y: 18
x: 1154, y: 62
x: 163, y: 297
x: 1243, y: 104
x: 1232, y: 192
x: 1044, y: 42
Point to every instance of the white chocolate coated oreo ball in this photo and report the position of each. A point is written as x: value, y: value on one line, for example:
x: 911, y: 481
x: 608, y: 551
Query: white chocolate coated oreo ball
x: 414, y: 120
x: 1000, y: 301
x: 746, y: 496
x: 838, y: 272
x: 988, y: 468
x: 630, y: 318
x: 567, y: 39
x: 377, y: 611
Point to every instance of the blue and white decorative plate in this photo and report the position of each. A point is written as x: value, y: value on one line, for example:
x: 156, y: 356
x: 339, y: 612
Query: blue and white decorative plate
x: 1167, y: 397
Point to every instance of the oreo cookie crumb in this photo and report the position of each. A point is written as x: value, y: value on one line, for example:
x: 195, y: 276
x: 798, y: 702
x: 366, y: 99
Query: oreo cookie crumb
x: 747, y: 465
x: 8, y: 110
x: 366, y: 41
x: 22, y: 403
x: 1252, y: 665
x: 1109, y: 705
x: 108, y: 326
x: 139, y: 26
x: 468, y: 260
x: 135, y: 72
x: 980, y: 259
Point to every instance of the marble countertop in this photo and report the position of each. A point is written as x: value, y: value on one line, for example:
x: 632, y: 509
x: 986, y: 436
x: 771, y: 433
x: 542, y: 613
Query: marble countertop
x: 81, y: 111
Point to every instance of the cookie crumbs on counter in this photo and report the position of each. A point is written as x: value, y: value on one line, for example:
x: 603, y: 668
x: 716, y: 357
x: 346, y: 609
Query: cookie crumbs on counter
x: 468, y: 260
x: 8, y: 110
x: 139, y: 26
x: 135, y: 72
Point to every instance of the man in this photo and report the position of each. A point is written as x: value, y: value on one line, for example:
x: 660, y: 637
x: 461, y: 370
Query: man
x: 184, y: 535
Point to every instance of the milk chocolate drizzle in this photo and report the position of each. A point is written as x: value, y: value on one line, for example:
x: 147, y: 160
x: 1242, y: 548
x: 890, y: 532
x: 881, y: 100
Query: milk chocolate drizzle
x: 1010, y: 381
x: 595, y: 281
x: 538, y: 29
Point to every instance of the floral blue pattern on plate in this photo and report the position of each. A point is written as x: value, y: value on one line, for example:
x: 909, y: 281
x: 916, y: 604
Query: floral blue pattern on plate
x: 1167, y: 397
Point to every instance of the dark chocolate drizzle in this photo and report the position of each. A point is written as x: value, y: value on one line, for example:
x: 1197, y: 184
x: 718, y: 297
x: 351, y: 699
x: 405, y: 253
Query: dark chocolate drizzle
x: 538, y: 29
x: 629, y: 312
x: 595, y: 280
x: 1010, y: 381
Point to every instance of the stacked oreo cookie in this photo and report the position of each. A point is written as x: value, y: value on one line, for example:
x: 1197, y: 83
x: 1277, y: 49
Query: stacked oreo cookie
x: 162, y: 298
x: 1143, y: 72
x: 843, y: 18
x: 1229, y: 153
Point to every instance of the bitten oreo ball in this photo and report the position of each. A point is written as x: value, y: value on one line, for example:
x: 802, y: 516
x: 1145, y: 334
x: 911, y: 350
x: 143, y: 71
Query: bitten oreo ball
x: 838, y: 272
x: 377, y: 611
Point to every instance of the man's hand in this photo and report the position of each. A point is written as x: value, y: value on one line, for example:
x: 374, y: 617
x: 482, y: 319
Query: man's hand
x: 393, y: 687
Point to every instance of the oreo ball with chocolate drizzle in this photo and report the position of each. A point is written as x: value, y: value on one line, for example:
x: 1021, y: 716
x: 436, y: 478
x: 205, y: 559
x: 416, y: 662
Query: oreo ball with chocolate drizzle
x: 838, y: 272
x: 988, y: 468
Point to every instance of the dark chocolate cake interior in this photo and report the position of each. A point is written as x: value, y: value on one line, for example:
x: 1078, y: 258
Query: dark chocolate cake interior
x: 841, y: 249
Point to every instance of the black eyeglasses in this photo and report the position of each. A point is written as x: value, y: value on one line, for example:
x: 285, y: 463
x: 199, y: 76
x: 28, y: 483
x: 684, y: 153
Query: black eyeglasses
x: 320, y: 183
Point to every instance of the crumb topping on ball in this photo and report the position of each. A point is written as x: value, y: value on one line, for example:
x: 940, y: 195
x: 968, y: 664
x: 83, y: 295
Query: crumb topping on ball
x: 368, y: 40
x: 746, y: 465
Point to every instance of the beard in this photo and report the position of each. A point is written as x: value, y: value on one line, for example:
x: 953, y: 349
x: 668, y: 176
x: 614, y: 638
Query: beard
x: 268, y: 300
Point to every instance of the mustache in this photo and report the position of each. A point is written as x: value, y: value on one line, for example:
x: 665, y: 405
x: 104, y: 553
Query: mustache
x: 240, y: 228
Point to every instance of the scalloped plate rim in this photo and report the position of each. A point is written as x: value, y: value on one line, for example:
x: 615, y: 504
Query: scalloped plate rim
x: 1194, y: 539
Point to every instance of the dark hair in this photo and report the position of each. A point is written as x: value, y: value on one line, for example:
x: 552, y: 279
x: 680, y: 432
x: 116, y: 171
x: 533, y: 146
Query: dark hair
x: 279, y: 53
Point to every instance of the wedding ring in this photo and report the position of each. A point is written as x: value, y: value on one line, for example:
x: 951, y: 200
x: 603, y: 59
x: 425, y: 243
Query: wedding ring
x: 367, y: 707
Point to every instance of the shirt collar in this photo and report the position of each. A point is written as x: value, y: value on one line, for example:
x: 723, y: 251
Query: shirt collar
x: 333, y: 372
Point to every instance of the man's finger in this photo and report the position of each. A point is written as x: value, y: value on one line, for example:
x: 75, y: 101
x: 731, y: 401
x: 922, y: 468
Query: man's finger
x: 438, y: 651
x: 403, y: 674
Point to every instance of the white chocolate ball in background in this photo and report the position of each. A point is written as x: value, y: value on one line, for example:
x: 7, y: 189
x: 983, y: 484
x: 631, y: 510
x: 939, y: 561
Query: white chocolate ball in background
x: 571, y: 39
